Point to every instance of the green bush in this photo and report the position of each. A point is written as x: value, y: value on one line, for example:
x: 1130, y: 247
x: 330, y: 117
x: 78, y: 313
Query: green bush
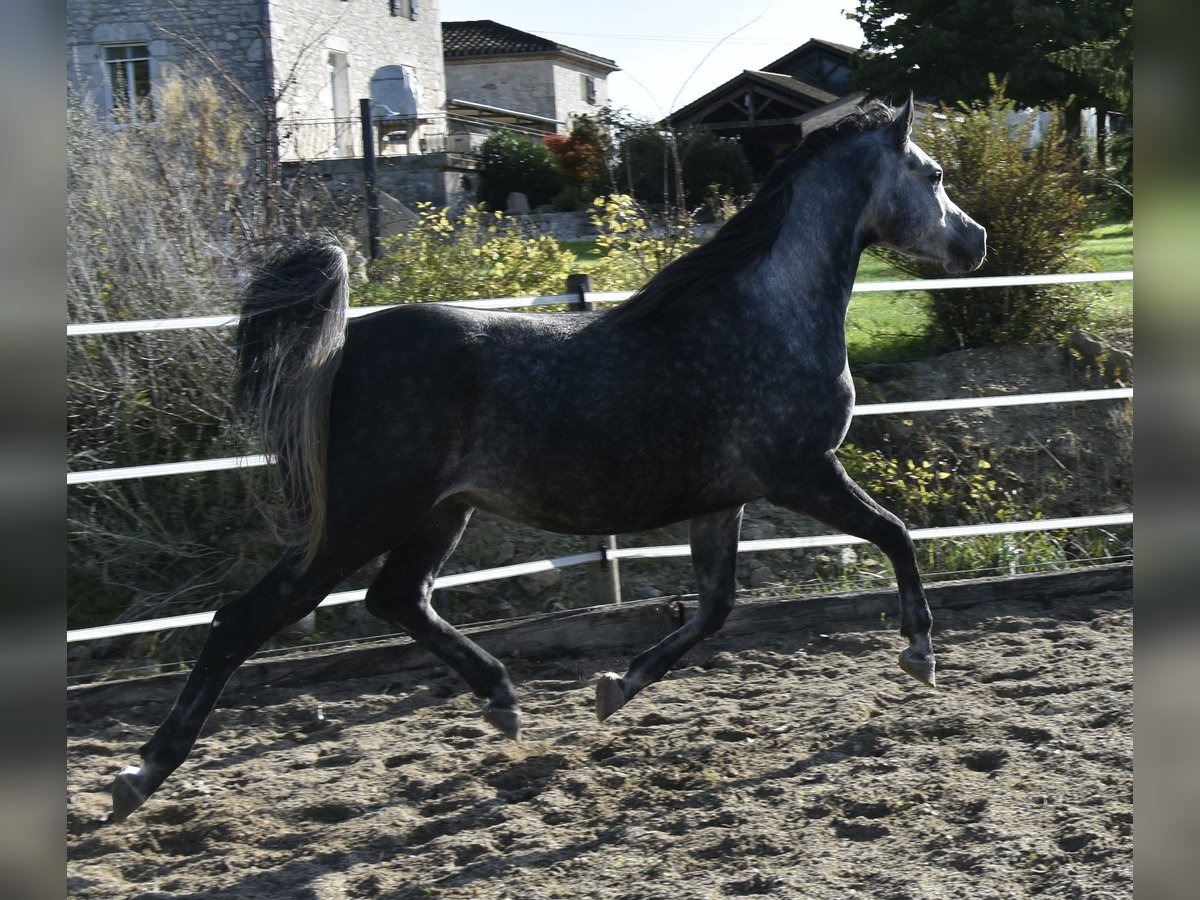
x: 713, y: 165
x: 931, y: 493
x: 477, y: 254
x: 1032, y: 202
x: 928, y: 493
x: 511, y: 163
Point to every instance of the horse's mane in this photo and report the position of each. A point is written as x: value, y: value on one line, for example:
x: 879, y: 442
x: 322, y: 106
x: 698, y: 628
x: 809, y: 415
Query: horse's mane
x: 751, y: 233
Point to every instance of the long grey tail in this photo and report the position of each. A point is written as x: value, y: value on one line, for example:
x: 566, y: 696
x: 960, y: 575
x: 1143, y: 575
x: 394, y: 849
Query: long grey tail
x: 289, y: 345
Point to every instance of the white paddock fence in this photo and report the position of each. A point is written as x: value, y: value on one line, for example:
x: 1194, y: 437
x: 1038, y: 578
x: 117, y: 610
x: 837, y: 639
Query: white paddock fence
x: 632, y: 553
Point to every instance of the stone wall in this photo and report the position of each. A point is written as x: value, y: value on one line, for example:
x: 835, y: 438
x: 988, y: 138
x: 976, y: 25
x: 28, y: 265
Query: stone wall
x: 548, y: 87
x: 526, y: 85
x: 303, y: 34
x: 568, y: 91
x: 229, y: 28
x: 436, y: 178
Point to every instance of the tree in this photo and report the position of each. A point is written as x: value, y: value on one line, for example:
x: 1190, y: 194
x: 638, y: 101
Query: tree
x: 700, y: 160
x: 1109, y: 64
x: 947, y: 51
x: 584, y: 156
x: 511, y: 163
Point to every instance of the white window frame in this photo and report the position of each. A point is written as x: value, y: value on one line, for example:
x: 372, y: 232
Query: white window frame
x: 121, y: 78
x: 403, y: 9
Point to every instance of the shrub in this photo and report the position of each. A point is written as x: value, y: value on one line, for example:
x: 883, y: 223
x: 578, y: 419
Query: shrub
x: 477, y: 254
x: 1031, y: 201
x: 929, y: 493
x: 510, y: 163
x: 633, y: 245
x: 583, y: 158
x: 150, y: 234
x: 156, y: 217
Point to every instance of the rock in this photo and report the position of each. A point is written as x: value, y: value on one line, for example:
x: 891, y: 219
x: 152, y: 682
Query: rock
x: 642, y: 590
x: 759, y: 531
x: 517, y: 204
x: 761, y: 576
x: 539, y: 585
x: 499, y: 608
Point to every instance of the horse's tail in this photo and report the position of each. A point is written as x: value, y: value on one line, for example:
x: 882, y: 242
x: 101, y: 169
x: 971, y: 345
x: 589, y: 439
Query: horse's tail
x: 289, y: 345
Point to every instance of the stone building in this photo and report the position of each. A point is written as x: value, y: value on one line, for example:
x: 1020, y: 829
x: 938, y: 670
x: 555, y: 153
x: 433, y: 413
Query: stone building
x: 313, y: 58
x: 302, y: 66
x: 500, y: 73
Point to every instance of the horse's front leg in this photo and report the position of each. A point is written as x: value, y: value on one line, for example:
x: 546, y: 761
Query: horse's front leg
x: 714, y: 540
x: 822, y: 489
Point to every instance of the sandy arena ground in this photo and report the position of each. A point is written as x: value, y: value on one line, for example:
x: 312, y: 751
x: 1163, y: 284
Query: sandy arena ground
x: 800, y: 764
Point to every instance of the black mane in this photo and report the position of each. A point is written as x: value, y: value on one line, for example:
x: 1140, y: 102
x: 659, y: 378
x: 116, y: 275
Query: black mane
x: 751, y: 233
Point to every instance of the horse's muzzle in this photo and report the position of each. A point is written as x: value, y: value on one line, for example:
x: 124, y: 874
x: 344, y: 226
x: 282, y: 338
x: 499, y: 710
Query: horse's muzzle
x: 968, y: 248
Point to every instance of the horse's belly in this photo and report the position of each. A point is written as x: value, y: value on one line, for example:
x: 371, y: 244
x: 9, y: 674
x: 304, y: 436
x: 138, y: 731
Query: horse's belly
x: 588, y: 496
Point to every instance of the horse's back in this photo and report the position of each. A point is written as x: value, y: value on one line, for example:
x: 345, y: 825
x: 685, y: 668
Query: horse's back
x: 556, y: 420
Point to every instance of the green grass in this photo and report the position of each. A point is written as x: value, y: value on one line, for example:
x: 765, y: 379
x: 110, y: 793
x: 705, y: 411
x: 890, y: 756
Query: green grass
x: 893, y: 327
x: 1109, y: 248
x: 585, y: 254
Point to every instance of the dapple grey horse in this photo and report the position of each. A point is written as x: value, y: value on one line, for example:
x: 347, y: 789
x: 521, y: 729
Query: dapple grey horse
x: 722, y: 381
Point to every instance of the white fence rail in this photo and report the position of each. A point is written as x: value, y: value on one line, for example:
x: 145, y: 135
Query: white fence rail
x: 663, y: 552
x: 863, y: 287
x: 674, y: 550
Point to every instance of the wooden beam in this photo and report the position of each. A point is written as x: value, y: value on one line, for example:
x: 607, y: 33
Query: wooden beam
x: 631, y: 626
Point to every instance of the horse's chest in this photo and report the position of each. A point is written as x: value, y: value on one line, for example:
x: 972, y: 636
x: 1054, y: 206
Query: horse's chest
x: 805, y: 413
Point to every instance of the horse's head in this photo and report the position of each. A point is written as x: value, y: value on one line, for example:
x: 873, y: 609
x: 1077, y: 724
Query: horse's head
x: 909, y: 209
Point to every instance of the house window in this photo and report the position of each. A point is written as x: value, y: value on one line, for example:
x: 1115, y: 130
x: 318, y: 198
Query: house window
x: 589, y: 89
x: 128, y: 70
x: 405, y: 9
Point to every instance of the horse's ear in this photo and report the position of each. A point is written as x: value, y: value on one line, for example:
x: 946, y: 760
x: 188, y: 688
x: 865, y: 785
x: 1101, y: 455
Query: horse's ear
x: 902, y: 125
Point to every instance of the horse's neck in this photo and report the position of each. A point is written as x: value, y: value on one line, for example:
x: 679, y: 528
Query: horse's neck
x: 802, y: 288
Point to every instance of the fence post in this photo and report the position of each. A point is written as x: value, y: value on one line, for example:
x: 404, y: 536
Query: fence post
x: 580, y: 285
x: 368, y: 137
x: 606, y: 574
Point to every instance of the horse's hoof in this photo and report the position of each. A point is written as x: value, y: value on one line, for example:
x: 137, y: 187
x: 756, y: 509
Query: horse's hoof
x: 919, y: 667
x: 505, y: 719
x: 610, y: 695
x: 127, y: 796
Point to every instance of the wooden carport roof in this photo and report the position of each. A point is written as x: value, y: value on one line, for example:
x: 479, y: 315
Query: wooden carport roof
x: 753, y: 99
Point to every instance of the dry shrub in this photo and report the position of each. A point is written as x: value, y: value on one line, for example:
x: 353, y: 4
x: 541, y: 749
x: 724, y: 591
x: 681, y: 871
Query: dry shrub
x: 160, y: 218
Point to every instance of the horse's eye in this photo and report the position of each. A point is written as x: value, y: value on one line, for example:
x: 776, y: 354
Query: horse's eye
x: 936, y: 178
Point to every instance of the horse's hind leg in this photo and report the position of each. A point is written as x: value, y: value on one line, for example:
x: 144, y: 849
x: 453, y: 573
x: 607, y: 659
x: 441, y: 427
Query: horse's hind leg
x: 823, y: 490
x: 714, y: 540
x: 238, y: 629
x: 401, y: 595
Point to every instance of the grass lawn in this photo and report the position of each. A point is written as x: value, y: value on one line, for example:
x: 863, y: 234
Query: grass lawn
x: 892, y: 327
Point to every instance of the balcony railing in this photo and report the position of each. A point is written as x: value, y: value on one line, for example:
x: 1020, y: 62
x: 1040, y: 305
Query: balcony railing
x: 317, y: 139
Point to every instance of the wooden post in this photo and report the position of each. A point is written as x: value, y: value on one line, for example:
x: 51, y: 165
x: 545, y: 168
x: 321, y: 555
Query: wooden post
x: 368, y: 137
x: 580, y: 285
x: 606, y: 574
